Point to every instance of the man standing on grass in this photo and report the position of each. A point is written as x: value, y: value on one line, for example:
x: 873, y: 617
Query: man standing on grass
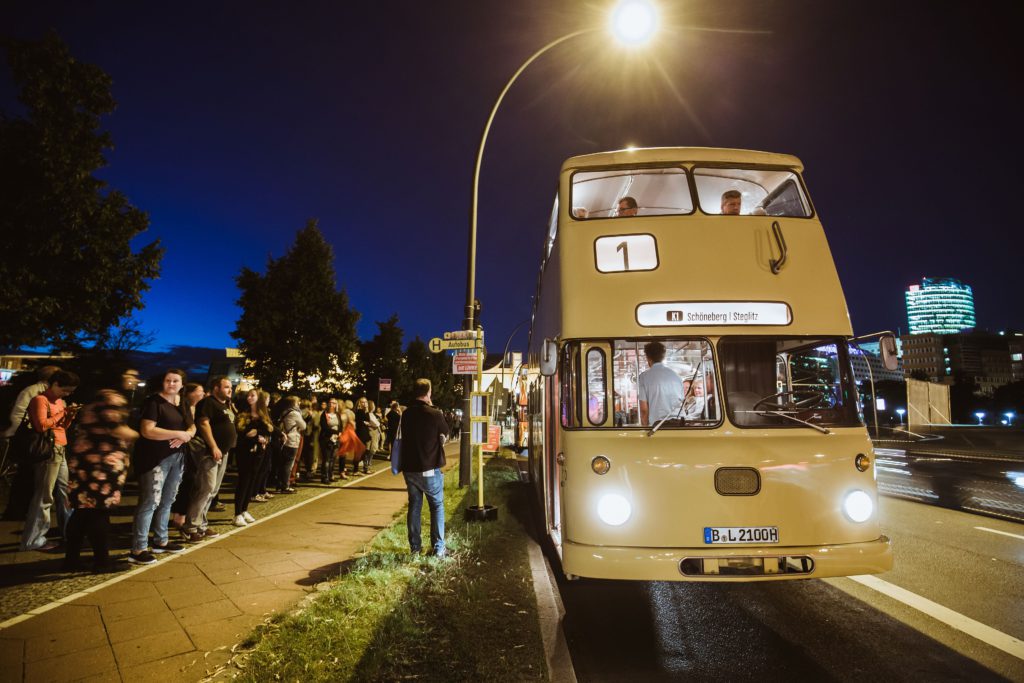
x: 423, y: 434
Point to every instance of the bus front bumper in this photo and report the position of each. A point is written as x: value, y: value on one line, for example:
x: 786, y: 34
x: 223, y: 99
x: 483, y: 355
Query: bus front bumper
x: 727, y: 564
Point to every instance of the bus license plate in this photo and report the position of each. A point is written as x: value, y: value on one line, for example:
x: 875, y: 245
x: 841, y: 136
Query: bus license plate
x: 741, y: 534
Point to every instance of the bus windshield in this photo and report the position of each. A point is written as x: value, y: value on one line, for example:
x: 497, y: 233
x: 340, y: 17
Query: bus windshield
x: 770, y: 380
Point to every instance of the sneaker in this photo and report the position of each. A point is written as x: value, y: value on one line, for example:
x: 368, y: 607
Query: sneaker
x: 248, y: 518
x: 195, y: 536
x: 168, y: 547
x: 288, y: 490
x: 258, y: 498
x: 268, y: 495
x: 240, y: 521
x: 210, y: 533
x: 219, y: 507
x: 47, y: 547
x: 145, y: 557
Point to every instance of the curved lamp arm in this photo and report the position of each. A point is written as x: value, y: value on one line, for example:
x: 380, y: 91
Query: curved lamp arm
x: 471, y: 276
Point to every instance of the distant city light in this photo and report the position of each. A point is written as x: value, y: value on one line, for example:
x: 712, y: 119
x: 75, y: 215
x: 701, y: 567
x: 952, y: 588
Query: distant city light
x: 980, y: 415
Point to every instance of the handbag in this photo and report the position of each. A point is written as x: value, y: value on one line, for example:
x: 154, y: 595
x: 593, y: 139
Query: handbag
x: 31, y: 446
x: 396, y: 450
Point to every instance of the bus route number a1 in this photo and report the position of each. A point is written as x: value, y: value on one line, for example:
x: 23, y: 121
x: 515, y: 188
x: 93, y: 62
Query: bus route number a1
x: 620, y: 253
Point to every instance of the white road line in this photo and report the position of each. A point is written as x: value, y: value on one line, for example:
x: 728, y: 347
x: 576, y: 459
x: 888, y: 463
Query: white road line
x: 975, y: 629
x: 191, y: 548
x: 996, y: 531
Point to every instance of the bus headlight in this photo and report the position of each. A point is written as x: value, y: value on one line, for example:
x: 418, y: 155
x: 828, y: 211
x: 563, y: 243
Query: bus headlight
x: 858, y: 506
x: 600, y: 464
x: 613, y: 509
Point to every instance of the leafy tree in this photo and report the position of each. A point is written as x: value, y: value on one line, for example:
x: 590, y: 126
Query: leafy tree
x: 382, y: 357
x: 295, y: 322
x: 67, y: 270
x: 434, y: 366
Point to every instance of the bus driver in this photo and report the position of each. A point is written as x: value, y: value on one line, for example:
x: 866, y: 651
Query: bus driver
x: 661, y: 389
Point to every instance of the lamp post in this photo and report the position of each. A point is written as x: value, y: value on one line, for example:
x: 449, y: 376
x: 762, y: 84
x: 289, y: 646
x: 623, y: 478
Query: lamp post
x: 633, y: 22
x: 900, y: 412
x: 981, y: 416
x: 1009, y: 418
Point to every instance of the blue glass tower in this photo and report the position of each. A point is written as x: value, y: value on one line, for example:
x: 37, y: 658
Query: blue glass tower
x: 942, y: 305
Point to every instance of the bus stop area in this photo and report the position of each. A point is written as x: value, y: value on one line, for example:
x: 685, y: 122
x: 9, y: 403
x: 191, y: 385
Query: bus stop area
x: 183, y: 618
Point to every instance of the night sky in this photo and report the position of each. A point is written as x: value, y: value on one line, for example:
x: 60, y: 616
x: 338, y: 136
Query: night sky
x: 236, y: 122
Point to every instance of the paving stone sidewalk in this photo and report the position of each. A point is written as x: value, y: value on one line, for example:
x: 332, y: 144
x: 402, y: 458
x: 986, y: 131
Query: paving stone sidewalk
x: 178, y: 620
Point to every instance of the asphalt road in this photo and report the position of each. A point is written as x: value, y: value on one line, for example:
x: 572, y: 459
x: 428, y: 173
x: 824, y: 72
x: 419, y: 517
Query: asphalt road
x: 820, y: 630
x: 973, y: 482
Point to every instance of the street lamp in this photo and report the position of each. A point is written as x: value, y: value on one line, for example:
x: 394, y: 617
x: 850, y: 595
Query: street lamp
x: 633, y: 23
x: 980, y: 415
x: 1009, y: 418
x: 901, y: 412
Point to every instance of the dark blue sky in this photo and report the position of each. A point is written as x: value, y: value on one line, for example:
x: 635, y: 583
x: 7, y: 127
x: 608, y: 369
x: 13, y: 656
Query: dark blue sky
x: 237, y: 122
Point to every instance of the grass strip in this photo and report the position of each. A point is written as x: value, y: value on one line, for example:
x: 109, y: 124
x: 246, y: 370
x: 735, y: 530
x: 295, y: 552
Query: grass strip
x: 390, y: 616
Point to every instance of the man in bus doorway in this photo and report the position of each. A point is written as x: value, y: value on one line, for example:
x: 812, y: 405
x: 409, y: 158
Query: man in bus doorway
x: 424, y: 432
x: 661, y: 389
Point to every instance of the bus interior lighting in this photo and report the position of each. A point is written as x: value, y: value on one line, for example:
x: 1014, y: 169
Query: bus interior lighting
x: 858, y: 506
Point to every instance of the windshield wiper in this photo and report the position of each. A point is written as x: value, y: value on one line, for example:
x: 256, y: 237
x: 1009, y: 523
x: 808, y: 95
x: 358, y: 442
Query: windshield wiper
x: 779, y: 413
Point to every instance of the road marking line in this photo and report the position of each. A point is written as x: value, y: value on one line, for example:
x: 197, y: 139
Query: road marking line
x: 976, y: 629
x: 996, y: 531
x: 189, y: 549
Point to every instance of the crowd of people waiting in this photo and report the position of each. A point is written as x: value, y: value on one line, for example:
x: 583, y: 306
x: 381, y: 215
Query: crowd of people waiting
x: 177, y: 443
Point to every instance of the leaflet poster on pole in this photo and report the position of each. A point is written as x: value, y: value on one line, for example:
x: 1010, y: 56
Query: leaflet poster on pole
x: 385, y: 384
x: 464, y: 363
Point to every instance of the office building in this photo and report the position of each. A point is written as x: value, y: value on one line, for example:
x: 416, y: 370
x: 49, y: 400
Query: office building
x: 940, y: 305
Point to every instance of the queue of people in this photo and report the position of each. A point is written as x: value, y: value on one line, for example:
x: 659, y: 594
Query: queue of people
x: 177, y: 445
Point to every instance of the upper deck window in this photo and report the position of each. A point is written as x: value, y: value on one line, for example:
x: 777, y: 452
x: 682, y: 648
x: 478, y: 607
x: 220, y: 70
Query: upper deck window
x: 655, y: 192
x: 761, y: 192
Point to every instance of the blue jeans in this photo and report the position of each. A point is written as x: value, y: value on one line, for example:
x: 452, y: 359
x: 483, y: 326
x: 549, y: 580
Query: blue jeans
x: 51, y: 486
x: 157, y: 489
x: 418, y: 485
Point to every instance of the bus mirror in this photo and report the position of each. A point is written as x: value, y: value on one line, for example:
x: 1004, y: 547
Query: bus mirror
x: 887, y: 348
x: 548, y: 358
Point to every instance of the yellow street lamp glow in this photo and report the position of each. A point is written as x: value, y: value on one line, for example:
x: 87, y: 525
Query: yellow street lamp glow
x: 634, y: 22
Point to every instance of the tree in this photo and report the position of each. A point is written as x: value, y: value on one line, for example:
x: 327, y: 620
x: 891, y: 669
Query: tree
x: 434, y: 366
x: 67, y: 270
x: 382, y: 357
x: 296, y: 324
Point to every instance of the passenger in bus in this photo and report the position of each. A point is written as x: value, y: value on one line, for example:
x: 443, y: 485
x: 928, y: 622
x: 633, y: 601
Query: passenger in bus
x: 580, y: 212
x: 661, y: 389
x: 693, y: 405
x: 732, y: 200
x: 627, y: 207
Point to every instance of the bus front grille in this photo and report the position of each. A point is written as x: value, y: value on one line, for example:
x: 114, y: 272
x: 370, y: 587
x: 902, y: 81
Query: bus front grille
x: 746, y: 566
x: 737, y: 481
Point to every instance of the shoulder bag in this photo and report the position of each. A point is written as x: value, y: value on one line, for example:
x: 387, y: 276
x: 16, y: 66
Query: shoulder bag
x: 396, y: 450
x: 31, y: 446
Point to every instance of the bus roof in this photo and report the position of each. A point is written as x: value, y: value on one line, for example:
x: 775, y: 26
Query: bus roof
x: 652, y: 155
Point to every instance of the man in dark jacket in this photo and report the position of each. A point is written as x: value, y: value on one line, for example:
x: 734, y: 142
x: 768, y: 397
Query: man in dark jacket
x: 424, y: 432
x: 393, y: 416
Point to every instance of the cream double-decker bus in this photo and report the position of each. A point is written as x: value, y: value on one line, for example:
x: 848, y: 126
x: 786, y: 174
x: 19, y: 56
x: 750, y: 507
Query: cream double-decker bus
x: 732, y: 447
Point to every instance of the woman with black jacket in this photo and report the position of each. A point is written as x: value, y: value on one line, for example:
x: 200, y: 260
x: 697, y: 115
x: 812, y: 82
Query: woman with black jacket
x: 330, y: 428
x: 254, y: 431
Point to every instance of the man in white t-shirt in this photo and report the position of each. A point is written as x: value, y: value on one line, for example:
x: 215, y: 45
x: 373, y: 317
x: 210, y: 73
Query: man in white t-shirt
x: 661, y: 389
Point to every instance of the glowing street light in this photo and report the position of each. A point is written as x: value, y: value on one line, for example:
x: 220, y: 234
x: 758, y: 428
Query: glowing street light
x: 901, y: 412
x: 633, y: 23
x: 1009, y: 417
x: 980, y: 415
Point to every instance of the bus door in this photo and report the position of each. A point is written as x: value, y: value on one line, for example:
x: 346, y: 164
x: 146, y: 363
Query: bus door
x: 552, y: 460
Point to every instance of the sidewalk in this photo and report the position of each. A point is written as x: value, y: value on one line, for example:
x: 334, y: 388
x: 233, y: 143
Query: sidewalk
x: 178, y: 620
